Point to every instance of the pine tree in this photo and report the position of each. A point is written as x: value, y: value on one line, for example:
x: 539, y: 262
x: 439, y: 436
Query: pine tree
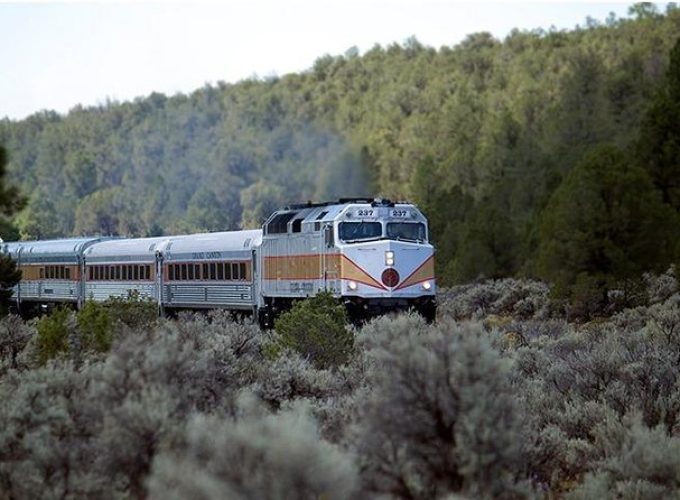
x: 602, y: 228
x: 659, y: 143
x: 10, y: 202
x: 10, y: 199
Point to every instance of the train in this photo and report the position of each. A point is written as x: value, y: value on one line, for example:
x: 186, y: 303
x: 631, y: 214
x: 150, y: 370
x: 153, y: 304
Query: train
x: 373, y: 255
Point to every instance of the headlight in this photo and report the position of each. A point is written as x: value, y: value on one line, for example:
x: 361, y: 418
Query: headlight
x: 389, y: 258
x: 352, y: 285
x: 426, y: 285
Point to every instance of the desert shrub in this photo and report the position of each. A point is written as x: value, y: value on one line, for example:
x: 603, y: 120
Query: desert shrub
x: 15, y: 336
x: 64, y: 437
x: 660, y: 287
x: 661, y: 319
x: 317, y: 329
x: 665, y: 319
x: 640, y: 463
x: 381, y: 332
x: 507, y: 406
x: 507, y: 297
x: 540, y: 329
x: 336, y: 415
x: 631, y: 319
x: 576, y: 383
x: 131, y: 434
x: 507, y: 334
x: 290, y: 377
x: 198, y: 373
x: 257, y: 456
x: 562, y: 444
x: 93, y: 429
x: 152, y: 381
x: 46, y: 425
x: 441, y: 416
x: 202, y: 330
x: 54, y: 331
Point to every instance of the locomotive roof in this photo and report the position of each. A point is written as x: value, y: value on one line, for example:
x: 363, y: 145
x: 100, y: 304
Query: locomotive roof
x: 329, y: 211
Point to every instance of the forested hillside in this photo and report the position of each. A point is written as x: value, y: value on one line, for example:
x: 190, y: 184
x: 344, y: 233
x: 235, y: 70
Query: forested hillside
x: 500, y: 142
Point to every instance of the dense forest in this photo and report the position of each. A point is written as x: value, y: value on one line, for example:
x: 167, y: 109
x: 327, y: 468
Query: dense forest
x: 515, y: 150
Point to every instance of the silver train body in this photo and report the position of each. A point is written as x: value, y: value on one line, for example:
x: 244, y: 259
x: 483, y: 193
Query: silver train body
x: 373, y: 255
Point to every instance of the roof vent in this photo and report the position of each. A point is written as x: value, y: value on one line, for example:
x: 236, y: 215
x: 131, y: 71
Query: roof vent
x: 382, y: 202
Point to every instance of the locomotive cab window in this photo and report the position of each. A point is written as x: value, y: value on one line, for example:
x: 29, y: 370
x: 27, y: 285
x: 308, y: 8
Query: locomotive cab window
x: 409, y: 231
x: 357, y: 231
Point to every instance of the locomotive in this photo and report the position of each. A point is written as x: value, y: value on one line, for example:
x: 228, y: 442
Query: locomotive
x: 371, y: 254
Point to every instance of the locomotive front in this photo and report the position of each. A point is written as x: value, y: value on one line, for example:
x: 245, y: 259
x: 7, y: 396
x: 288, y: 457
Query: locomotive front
x: 386, y: 261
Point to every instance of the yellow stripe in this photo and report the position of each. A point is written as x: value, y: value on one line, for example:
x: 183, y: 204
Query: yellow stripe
x: 301, y: 267
x: 423, y: 273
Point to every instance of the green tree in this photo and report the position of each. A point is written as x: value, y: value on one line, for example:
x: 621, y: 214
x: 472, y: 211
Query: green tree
x: 10, y: 202
x: 205, y: 212
x: 603, y: 227
x: 259, y: 200
x: 95, y: 326
x: 316, y: 328
x: 446, y: 211
x: 488, y: 245
x: 10, y: 275
x: 643, y: 10
x: 659, y: 143
x: 39, y: 219
x: 106, y: 211
x: 53, y: 334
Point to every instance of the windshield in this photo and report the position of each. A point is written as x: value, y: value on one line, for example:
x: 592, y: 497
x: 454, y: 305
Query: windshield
x: 414, y: 231
x: 353, y: 231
